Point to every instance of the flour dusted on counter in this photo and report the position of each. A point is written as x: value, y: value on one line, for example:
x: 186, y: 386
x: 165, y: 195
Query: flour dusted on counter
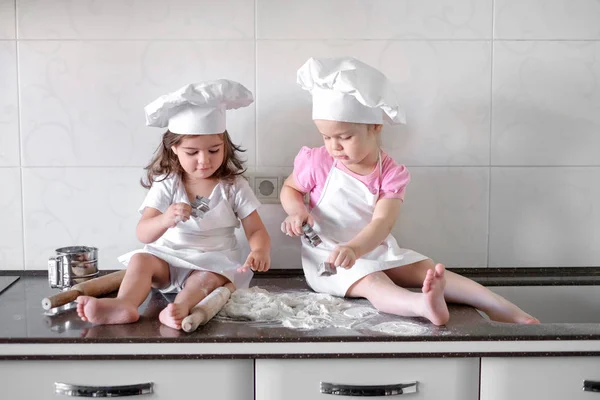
x: 400, y: 328
x: 360, y: 312
x: 251, y: 305
x: 298, y: 309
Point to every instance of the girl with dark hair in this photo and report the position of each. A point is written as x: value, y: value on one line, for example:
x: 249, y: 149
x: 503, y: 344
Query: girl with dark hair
x: 189, y: 251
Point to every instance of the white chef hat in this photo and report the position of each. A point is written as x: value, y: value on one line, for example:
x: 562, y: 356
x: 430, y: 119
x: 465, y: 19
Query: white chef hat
x: 346, y: 89
x: 198, y: 108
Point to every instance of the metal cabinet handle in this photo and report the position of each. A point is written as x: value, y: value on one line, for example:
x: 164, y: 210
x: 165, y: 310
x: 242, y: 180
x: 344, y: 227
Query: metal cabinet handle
x: 591, y: 386
x: 368, y: 390
x: 67, y: 389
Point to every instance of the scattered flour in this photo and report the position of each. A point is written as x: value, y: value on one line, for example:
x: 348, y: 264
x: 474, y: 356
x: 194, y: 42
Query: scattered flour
x: 308, y: 310
x: 400, y: 328
x: 299, y: 309
x: 360, y: 312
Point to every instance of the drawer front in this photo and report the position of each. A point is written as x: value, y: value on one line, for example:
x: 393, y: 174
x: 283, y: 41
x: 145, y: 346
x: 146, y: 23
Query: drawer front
x: 172, y: 379
x: 545, y: 378
x: 448, y: 379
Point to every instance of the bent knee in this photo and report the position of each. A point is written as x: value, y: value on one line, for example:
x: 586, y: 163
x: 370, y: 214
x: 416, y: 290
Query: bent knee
x: 367, y: 285
x: 209, y: 280
x: 147, y: 263
x: 141, y: 258
x: 374, y: 279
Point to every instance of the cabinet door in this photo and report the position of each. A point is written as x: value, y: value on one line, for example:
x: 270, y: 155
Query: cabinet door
x: 170, y: 379
x: 432, y: 379
x: 545, y: 378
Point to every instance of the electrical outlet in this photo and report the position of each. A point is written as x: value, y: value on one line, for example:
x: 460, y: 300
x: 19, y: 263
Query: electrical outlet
x: 267, y: 189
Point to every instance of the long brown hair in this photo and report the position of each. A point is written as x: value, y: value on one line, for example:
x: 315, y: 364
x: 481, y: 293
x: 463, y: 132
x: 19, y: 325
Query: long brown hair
x: 165, y: 161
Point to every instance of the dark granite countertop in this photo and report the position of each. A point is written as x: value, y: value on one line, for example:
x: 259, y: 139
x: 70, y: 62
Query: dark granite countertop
x: 23, y: 321
x: 554, y: 276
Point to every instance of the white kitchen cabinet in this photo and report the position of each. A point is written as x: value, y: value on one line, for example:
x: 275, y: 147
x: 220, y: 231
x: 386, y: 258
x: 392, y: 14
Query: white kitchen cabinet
x: 171, y: 379
x: 448, y: 378
x: 529, y: 378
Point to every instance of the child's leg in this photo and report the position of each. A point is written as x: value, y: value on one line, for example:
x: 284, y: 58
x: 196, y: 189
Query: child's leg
x: 143, y: 270
x: 464, y: 291
x: 196, y: 287
x: 386, y: 296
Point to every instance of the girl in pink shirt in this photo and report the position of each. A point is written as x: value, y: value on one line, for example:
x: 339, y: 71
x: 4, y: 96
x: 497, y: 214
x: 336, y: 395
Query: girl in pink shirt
x: 356, y: 191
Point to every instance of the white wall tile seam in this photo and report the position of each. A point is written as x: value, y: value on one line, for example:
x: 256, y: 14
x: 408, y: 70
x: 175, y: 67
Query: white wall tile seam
x: 187, y: 39
x: 149, y: 39
x: 19, y: 139
x: 255, y: 83
x: 489, y: 212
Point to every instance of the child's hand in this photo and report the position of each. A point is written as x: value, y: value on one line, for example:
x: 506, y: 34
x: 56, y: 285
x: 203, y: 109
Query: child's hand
x: 176, y: 213
x: 258, y: 260
x: 292, y: 225
x: 342, y: 256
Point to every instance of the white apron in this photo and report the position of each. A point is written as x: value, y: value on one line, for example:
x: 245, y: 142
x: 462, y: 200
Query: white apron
x: 345, y: 208
x: 206, y: 244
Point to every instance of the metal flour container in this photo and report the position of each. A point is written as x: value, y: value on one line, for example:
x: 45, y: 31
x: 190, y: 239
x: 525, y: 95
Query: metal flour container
x: 72, y: 265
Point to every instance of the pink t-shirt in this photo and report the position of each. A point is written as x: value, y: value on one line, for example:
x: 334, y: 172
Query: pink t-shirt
x: 312, y: 166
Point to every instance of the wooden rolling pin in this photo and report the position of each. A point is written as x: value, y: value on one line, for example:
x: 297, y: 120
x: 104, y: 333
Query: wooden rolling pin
x: 94, y: 287
x: 207, y: 308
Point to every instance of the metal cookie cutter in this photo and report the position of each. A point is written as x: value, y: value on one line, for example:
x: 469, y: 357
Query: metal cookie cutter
x: 200, y: 206
x: 326, y: 269
x: 72, y: 265
x: 310, y: 235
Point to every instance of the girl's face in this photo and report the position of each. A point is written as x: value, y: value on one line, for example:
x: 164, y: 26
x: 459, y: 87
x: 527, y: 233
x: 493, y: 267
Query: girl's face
x: 200, y: 155
x: 349, y: 142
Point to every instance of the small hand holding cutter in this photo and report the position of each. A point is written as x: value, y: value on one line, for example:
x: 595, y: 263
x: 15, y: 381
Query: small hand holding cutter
x: 325, y: 268
x: 200, y: 206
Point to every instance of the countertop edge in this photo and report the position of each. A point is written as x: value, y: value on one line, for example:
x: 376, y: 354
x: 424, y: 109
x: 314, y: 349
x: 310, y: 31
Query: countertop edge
x: 246, y: 350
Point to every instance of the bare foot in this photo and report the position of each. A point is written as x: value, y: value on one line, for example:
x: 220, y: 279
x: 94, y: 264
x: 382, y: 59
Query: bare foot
x: 436, y: 309
x: 106, y: 311
x: 173, y: 314
x: 505, y: 311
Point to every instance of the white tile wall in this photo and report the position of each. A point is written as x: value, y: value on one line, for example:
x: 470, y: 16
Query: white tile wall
x: 11, y: 228
x: 7, y: 19
x: 546, y: 101
x: 381, y: 19
x: 547, y: 19
x: 501, y: 98
x: 138, y: 19
x: 545, y: 216
x: 9, y: 111
x: 80, y: 206
x: 445, y: 215
x: 83, y: 95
